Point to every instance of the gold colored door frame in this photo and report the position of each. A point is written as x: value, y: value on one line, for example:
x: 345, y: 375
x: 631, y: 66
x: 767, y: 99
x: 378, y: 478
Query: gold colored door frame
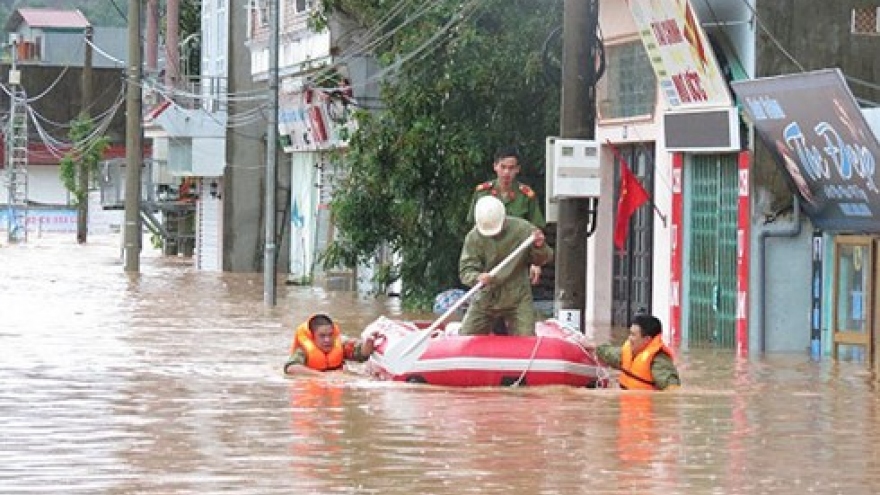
x: 853, y: 305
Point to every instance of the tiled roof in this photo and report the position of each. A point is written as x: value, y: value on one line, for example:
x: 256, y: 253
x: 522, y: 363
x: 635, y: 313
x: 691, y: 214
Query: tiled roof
x: 50, y: 18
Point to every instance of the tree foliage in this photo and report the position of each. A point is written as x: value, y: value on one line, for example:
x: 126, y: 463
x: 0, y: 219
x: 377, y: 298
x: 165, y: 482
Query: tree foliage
x: 87, y: 152
x: 411, y: 167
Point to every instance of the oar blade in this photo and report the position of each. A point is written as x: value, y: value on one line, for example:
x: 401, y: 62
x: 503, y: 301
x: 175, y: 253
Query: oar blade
x: 403, y: 354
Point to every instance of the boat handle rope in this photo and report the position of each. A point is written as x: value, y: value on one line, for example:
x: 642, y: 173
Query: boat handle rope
x: 603, y: 373
x: 529, y: 364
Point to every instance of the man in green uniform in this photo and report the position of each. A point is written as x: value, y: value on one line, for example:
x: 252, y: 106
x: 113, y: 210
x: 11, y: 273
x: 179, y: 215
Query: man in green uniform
x: 508, y: 294
x: 519, y: 199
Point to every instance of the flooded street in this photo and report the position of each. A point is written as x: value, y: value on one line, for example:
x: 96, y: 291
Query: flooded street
x: 169, y: 382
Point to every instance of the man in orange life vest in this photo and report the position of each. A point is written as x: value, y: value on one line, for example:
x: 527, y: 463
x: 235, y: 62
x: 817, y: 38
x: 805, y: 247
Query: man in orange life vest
x: 645, y: 363
x: 318, y: 346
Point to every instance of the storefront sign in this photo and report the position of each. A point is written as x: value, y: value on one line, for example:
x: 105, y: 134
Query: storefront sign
x: 312, y: 119
x: 817, y: 133
x: 682, y: 58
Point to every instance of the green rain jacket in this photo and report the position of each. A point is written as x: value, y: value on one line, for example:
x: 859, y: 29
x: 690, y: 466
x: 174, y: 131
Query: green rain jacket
x: 481, y: 254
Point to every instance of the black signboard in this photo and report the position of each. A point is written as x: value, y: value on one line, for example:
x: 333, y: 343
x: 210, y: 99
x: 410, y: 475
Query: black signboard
x: 817, y: 134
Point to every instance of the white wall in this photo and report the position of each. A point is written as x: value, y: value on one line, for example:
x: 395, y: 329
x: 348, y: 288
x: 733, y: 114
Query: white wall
x: 302, y: 237
x: 44, y: 186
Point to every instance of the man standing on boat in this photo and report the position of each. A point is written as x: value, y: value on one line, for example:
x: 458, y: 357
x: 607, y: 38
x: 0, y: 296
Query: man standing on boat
x: 318, y: 346
x: 519, y: 200
x: 644, y: 361
x: 508, y: 294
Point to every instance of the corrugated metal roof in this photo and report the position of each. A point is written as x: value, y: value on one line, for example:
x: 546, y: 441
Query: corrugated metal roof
x: 54, y: 18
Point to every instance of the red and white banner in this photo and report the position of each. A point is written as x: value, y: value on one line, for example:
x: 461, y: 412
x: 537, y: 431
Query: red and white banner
x: 676, y: 238
x: 742, y: 256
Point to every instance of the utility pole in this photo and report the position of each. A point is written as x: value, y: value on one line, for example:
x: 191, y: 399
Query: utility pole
x: 271, y: 151
x: 82, y: 209
x: 577, y: 121
x: 133, y: 148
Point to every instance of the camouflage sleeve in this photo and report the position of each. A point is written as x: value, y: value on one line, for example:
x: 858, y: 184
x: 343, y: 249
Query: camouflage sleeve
x: 609, y: 354
x: 353, y: 350
x: 298, y: 357
x: 664, y: 372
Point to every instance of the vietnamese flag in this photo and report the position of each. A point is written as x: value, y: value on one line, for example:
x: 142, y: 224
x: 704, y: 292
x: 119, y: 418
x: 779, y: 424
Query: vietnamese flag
x: 632, y: 196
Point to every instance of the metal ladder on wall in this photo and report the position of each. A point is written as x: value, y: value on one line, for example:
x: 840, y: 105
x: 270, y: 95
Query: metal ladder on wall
x: 17, y: 167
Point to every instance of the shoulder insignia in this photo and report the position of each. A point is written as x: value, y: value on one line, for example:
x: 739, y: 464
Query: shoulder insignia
x: 484, y: 186
x: 527, y: 191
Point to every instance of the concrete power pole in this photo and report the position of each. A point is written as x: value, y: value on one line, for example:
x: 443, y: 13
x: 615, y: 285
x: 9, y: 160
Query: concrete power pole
x: 133, y: 148
x: 577, y: 121
x: 269, y: 296
x: 82, y: 209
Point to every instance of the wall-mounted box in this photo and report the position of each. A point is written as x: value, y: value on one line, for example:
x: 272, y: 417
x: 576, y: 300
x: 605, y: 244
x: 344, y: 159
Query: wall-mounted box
x: 575, y: 168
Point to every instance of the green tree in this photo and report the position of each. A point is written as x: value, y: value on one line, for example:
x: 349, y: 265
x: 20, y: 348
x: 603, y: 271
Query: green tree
x: 87, y: 150
x: 477, y: 83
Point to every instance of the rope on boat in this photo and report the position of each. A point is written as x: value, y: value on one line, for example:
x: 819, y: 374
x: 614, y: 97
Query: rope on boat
x: 603, y: 373
x: 529, y: 364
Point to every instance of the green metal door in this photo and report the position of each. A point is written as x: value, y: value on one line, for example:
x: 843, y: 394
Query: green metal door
x: 711, y: 195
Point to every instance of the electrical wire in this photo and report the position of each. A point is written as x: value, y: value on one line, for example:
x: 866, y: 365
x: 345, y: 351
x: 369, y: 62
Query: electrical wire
x: 103, y: 53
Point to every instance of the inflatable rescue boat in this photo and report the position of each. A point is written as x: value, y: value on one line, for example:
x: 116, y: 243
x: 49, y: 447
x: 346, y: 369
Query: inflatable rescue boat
x: 553, y: 357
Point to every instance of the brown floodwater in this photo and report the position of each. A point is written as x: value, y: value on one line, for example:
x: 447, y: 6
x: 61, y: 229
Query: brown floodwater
x: 169, y: 382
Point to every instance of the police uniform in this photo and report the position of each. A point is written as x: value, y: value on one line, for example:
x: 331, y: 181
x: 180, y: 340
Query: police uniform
x: 509, y: 295
x: 520, y: 202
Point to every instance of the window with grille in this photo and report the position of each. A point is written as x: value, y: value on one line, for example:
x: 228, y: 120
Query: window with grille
x: 866, y: 20
x: 628, y: 88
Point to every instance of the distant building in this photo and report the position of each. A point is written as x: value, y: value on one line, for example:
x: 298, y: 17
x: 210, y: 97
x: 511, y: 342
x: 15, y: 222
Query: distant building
x: 55, y: 37
x: 48, y: 49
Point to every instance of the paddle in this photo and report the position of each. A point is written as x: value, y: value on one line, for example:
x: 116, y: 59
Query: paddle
x: 401, y: 355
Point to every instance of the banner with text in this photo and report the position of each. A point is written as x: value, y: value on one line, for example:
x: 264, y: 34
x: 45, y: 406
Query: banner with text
x: 680, y: 53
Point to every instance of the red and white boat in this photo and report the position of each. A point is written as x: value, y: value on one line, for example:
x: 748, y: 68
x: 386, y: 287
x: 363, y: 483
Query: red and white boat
x: 552, y: 357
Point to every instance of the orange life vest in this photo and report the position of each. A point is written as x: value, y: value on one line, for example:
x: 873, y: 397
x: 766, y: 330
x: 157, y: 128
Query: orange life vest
x: 315, y: 357
x: 636, y: 370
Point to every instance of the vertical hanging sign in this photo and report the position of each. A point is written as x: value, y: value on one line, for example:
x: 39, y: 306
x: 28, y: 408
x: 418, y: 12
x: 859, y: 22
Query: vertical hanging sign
x: 675, y: 254
x: 816, y: 297
x: 742, y: 256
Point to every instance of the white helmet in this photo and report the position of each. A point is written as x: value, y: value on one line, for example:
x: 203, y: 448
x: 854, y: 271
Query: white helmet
x: 490, y: 214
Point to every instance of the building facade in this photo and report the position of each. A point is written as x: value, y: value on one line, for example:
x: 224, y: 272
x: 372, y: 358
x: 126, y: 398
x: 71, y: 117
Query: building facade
x: 724, y: 256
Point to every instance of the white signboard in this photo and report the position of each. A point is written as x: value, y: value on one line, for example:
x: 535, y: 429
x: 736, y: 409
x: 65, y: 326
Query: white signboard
x: 680, y: 53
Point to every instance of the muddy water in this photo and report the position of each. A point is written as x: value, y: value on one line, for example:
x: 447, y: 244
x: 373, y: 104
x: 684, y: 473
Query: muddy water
x: 168, y: 382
